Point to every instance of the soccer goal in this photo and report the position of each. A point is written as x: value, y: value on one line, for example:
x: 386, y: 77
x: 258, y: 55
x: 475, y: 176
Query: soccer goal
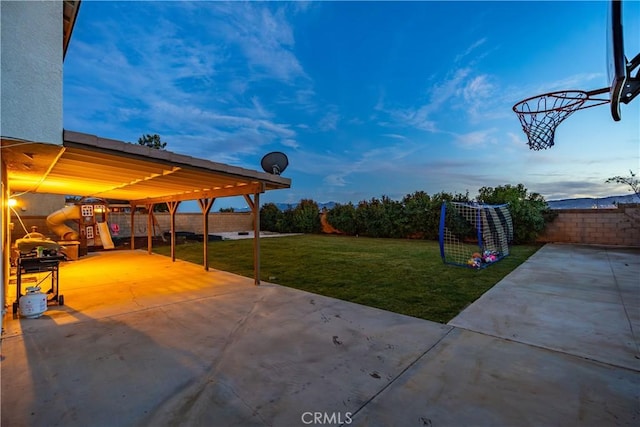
x: 474, y: 235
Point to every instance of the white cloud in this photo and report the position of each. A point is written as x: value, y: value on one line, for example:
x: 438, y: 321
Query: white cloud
x: 577, y: 81
x: 336, y: 180
x: 259, y: 108
x: 477, y: 139
x: 329, y: 121
x: 417, y: 118
x: 518, y: 141
x: 483, y: 100
x: 264, y: 36
x: 470, y: 49
x: 564, y: 187
x: 395, y: 136
x: 478, y: 88
x: 448, y: 88
x: 292, y: 143
x: 421, y: 117
x: 173, y: 81
x: 342, y: 169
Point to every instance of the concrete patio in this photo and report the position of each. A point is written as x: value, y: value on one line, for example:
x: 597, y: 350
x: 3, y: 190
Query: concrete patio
x: 144, y: 341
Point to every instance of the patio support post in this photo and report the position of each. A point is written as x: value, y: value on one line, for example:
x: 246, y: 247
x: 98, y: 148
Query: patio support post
x: 5, y: 244
x: 133, y: 234
x: 149, y: 227
x: 205, y: 207
x: 255, y: 208
x: 173, y: 207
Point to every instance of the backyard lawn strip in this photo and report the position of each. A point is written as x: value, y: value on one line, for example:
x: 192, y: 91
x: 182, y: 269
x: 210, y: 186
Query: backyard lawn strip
x: 399, y: 275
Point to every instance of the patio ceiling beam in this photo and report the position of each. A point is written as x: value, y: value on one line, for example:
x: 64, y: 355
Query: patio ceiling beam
x: 111, y: 164
x: 203, y: 181
x: 252, y: 188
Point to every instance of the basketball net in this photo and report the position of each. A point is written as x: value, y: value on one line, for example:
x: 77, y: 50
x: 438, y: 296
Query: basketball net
x: 540, y: 115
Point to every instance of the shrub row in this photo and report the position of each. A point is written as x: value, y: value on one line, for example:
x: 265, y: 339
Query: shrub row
x: 417, y: 215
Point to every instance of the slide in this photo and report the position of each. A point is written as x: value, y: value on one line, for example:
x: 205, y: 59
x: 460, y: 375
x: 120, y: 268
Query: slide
x: 105, y: 236
x: 56, y: 222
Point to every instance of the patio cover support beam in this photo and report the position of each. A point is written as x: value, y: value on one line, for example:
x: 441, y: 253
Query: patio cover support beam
x: 255, y: 208
x: 133, y: 227
x: 173, y: 207
x: 150, y: 227
x: 238, y: 190
x: 5, y: 249
x: 205, y: 207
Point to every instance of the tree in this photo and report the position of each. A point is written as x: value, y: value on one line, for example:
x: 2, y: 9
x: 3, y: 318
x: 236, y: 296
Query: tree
x: 152, y: 141
x: 343, y: 218
x: 369, y: 217
x: 286, y: 221
x: 416, y: 209
x: 381, y: 218
x: 630, y: 180
x: 270, y: 216
x: 306, y: 217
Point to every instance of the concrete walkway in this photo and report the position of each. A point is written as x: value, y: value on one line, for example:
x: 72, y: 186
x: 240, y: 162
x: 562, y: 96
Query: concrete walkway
x: 143, y: 341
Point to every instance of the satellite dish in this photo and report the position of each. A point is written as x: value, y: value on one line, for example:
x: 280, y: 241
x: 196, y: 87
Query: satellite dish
x: 275, y: 162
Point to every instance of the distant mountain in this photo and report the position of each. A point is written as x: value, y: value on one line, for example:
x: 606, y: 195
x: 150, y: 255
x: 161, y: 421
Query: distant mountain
x: 285, y: 206
x: 580, y: 203
x: 592, y: 203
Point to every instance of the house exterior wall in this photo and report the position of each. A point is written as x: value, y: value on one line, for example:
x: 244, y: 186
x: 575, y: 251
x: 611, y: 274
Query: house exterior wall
x: 31, y: 70
x: 39, y: 204
x: 33, y: 209
x: 620, y: 227
x: 31, y: 86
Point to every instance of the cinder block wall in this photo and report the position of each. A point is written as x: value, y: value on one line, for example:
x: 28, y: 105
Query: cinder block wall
x: 620, y: 227
x: 192, y: 222
x: 218, y: 222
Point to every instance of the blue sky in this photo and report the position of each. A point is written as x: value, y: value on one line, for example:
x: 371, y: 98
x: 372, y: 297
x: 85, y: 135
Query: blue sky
x: 365, y: 98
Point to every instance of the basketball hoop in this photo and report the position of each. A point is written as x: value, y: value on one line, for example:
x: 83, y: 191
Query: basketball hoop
x: 540, y: 115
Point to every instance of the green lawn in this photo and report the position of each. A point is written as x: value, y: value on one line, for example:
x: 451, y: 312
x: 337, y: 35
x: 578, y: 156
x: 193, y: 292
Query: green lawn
x: 404, y: 276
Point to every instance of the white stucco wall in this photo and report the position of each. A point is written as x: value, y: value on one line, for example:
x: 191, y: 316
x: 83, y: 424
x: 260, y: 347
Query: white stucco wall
x: 31, y: 73
x: 39, y: 204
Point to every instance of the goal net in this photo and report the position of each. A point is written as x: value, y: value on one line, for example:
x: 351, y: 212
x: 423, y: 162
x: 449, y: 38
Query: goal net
x: 474, y: 235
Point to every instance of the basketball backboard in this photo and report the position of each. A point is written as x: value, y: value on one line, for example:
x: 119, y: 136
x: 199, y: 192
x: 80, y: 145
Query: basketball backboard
x: 624, y: 86
x: 616, y: 61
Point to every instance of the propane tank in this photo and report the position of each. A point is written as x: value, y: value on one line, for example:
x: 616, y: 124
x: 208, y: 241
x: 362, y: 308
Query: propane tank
x: 33, y: 304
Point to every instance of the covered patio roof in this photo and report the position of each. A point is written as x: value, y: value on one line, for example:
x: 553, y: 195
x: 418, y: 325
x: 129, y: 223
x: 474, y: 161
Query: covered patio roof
x: 87, y: 165
x: 90, y: 166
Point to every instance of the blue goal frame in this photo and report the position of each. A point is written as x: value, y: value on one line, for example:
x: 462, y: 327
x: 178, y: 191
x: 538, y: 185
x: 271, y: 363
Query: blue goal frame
x: 489, y: 253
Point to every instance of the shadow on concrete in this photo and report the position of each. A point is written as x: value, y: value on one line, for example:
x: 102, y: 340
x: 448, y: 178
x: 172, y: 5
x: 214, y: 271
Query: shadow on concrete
x: 144, y: 341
